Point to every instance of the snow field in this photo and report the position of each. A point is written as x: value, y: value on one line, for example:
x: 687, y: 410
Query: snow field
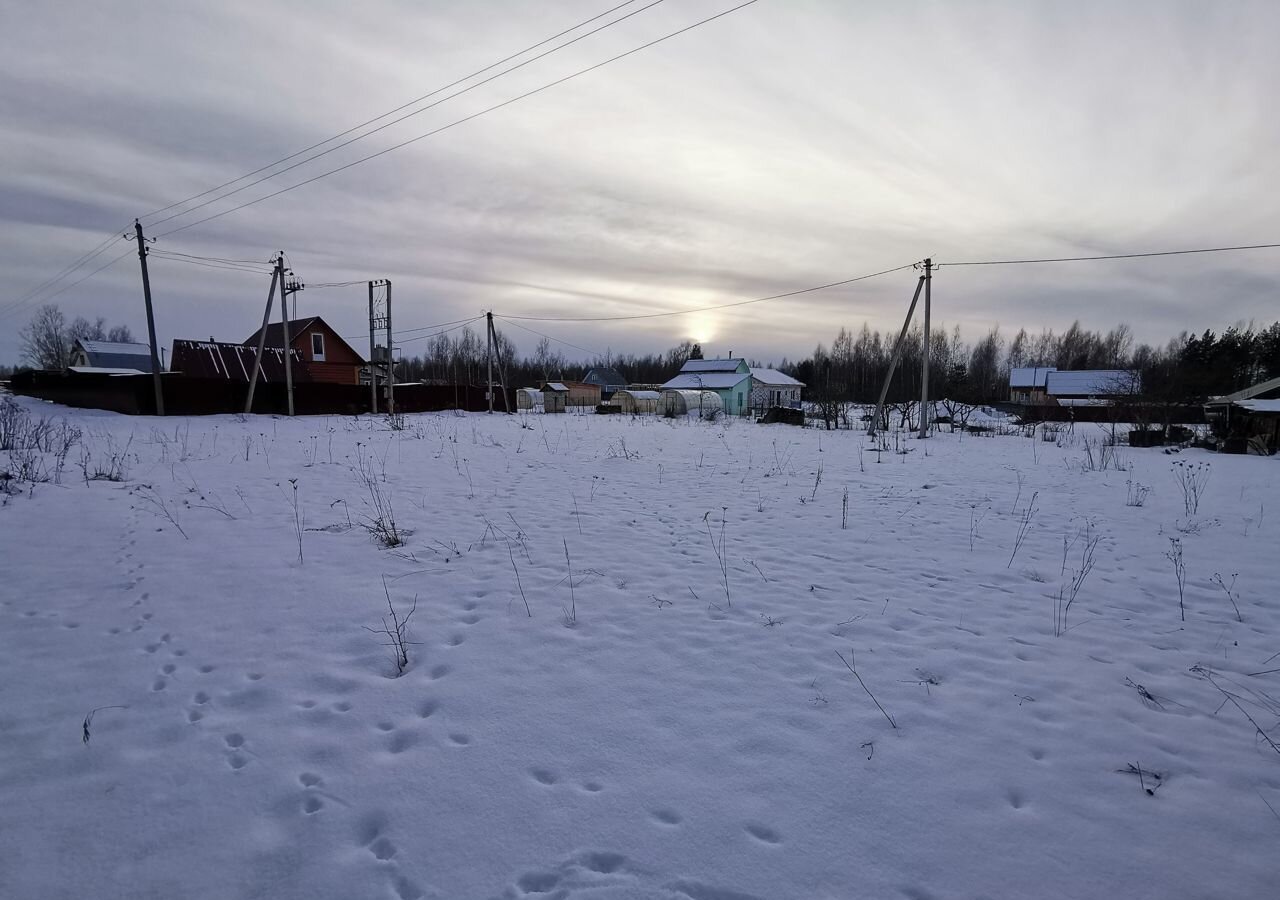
x: 673, y: 743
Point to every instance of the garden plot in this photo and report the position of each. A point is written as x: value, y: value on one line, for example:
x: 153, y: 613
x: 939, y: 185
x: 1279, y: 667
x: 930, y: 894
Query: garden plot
x: 602, y: 657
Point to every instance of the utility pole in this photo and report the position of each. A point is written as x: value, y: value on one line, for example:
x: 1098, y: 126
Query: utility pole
x: 373, y: 371
x: 293, y: 287
x: 151, y: 319
x: 380, y: 317
x: 284, y: 330
x: 924, y: 365
x: 488, y: 356
x: 897, y: 355
x: 262, y: 340
x: 391, y: 357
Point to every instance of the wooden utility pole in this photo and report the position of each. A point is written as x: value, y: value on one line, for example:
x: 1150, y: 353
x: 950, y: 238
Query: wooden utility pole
x: 897, y: 355
x: 151, y: 319
x: 262, y: 340
x: 284, y: 330
x: 488, y: 356
x: 373, y: 371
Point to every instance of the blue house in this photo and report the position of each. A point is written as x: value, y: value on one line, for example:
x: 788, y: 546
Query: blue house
x: 730, y: 378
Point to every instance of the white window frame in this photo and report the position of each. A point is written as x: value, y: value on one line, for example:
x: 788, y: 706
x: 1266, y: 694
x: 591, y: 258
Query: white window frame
x: 317, y: 355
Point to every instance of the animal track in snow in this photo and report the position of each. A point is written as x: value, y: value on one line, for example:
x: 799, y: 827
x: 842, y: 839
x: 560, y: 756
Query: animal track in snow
x: 667, y: 816
x: 763, y: 834
x: 542, y: 776
x: 427, y: 709
x: 310, y: 779
x: 459, y: 740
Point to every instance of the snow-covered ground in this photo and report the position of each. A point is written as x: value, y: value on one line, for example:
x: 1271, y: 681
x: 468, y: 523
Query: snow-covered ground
x: 679, y: 741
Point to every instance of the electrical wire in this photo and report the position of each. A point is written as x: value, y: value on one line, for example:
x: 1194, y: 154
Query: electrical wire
x: 461, y: 121
x: 101, y: 268
x: 208, y: 265
x: 594, y: 353
x: 220, y: 259
x: 400, y: 119
x: 423, y: 337
x: 685, y: 312
x: 391, y: 112
x: 1020, y: 262
x: 65, y: 272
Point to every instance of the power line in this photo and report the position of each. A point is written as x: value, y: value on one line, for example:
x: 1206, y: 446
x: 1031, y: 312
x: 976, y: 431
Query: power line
x: 112, y: 262
x: 220, y: 259
x: 392, y: 112
x: 63, y: 273
x: 208, y: 265
x: 685, y: 312
x: 408, y: 115
x: 594, y: 353
x: 423, y: 337
x: 1020, y: 262
x: 461, y: 121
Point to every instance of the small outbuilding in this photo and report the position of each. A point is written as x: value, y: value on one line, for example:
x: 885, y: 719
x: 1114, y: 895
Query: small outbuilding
x: 638, y: 403
x: 770, y: 388
x: 529, y: 398
x: 703, y: 404
x: 554, y: 397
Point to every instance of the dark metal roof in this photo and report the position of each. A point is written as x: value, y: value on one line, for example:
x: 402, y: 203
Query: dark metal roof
x: 296, y: 327
x: 234, y: 362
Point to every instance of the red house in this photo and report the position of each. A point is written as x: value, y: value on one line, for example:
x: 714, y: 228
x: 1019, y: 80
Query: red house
x: 325, y: 355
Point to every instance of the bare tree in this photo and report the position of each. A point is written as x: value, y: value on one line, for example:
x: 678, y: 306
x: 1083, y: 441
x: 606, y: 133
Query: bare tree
x: 44, y: 339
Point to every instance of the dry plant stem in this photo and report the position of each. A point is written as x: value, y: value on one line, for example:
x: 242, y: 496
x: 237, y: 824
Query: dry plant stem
x: 88, y: 720
x: 865, y: 688
x: 397, y: 631
x: 570, y: 614
x: 1024, y: 527
x: 512, y: 554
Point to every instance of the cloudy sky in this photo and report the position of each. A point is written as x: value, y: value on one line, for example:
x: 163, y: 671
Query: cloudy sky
x: 788, y: 144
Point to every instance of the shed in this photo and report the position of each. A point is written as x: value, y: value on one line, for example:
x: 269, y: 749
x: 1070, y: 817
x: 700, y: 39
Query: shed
x: 554, y: 396
x: 637, y: 402
x: 111, y: 355
x: 529, y: 398
x: 580, y: 393
x: 704, y: 404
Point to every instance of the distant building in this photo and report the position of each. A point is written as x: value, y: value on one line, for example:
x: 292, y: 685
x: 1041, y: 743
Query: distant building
x: 1027, y: 385
x: 607, y: 378
x: 580, y: 393
x: 729, y: 378
x: 770, y: 388
x: 111, y: 355
x: 325, y: 355
x: 1090, y: 386
x: 1048, y: 386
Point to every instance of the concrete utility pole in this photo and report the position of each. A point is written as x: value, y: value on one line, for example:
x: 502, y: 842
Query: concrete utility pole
x: 262, y: 340
x: 284, y: 330
x: 391, y: 357
x: 488, y: 355
x: 924, y: 366
x: 897, y: 355
x: 151, y: 319
x: 373, y: 371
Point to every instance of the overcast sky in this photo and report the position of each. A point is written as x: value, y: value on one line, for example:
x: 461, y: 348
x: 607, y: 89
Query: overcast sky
x: 789, y: 144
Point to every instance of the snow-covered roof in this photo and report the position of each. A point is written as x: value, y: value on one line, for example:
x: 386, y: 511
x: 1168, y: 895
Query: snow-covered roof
x: 1270, y: 406
x: 1090, y: 383
x: 775, y: 378
x: 555, y: 386
x: 711, y: 381
x: 1029, y: 378
x: 638, y: 395
x: 1256, y: 390
x: 105, y: 370
x: 712, y: 365
x: 128, y: 349
x: 116, y: 355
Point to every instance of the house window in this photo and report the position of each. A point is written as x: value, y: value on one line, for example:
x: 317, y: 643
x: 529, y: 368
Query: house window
x: 317, y: 346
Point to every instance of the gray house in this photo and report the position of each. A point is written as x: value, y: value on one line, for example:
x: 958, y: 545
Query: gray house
x: 607, y: 378
x: 770, y: 388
